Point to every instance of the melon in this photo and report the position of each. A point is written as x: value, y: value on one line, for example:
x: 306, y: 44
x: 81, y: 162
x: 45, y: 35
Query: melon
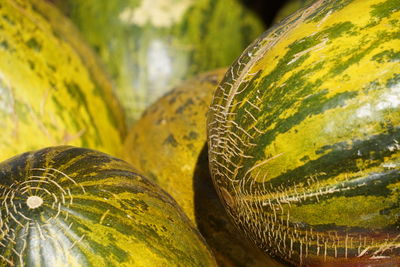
x: 304, y: 131
x: 52, y: 90
x: 70, y: 206
x: 150, y: 46
x: 168, y: 143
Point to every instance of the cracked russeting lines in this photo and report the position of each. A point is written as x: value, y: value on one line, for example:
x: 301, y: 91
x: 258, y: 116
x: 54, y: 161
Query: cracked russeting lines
x: 277, y: 229
x: 226, y: 149
x: 30, y: 205
x: 221, y: 135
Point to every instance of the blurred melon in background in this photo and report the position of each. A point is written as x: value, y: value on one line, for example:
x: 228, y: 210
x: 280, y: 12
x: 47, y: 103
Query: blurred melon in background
x: 149, y: 46
x: 52, y: 91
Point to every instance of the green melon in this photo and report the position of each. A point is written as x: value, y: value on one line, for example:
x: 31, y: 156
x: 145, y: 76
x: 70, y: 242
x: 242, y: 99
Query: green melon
x: 52, y: 90
x: 168, y: 143
x: 69, y: 206
x: 304, y: 136
x: 149, y: 46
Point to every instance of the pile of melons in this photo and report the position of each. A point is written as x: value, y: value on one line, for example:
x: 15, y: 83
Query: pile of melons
x: 185, y: 133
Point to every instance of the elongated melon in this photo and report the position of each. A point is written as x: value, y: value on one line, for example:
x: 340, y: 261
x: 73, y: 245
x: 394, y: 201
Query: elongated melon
x: 69, y: 206
x: 304, y: 136
x: 52, y: 91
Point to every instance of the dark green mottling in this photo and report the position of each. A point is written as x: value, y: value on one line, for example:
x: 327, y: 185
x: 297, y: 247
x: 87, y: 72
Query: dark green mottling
x: 387, y: 56
x: 339, y: 29
x: 298, y: 88
x: 88, y: 207
x: 64, y: 30
x: 342, y: 164
x: 8, y: 20
x: 191, y: 136
x: 31, y: 64
x: 385, y: 9
x: 170, y: 140
x: 329, y: 7
x: 357, y: 54
x: 60, y: 108
x: 117, y: 253
x: 4, y: 45
x: 394, y: 22
x: 182, y: 108
x: 394, y: 81
x: 80, y: 98
x: 342, y: 158
x: 374, y: 85
x: 33, y: 44
x: 52, y: 67
x: 205, y: 37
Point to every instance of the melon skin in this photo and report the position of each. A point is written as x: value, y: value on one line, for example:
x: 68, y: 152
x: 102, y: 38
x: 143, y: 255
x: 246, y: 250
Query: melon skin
x: 94, y: 210
x: 290, y: 7
x: 150, y: 46
x: 52, y: 90
x: 167, y: 140
x: 303, y: 136
x: 168, y: 143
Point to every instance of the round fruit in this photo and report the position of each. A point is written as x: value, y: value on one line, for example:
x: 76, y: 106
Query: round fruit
x: 304, y: 135
x: 68, y: 206
x: 51, y: 90
x: 170, y: 138
x: 167, y: 140
x: 149, y: 46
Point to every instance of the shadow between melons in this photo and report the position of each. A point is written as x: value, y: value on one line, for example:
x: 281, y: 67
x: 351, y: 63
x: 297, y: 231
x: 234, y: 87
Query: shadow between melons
x: 229, y: 246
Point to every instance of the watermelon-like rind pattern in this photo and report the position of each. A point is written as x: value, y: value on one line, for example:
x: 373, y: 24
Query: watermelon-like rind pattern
x: 97, y: 211
x: 52, y: 90
x: 149, y: 50
x: 303, y: 135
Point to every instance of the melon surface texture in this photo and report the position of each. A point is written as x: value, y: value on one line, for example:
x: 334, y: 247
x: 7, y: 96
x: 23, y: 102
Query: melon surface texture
x: 69, y: 206
x: 288, y: 8
x: 52, y: 90
x: 150, y: 46
x: 304, y: 136
x: 168, y: 143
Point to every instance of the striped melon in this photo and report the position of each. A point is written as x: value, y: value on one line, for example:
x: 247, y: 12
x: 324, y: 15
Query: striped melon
x: 149, y: 46
x: 69, y: 206
x: 51, y: 89
x: 168, y: 143
x: 304, y: 135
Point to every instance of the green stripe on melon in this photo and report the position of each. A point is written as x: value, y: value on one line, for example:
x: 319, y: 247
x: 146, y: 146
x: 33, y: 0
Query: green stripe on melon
x: 69, y: 206
x: 304, y: 135
x: 51, y: 89
x: 149, y: 46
